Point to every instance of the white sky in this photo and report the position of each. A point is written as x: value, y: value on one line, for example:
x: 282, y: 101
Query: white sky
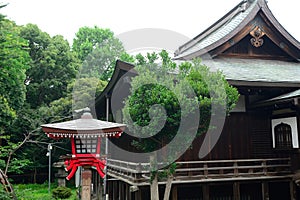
x: 189, y: 17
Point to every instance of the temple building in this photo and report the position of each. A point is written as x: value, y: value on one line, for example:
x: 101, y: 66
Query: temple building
x: 257, y: 156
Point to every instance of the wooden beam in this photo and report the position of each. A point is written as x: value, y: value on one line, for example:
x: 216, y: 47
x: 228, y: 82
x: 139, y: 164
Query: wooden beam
x: 209, y: 171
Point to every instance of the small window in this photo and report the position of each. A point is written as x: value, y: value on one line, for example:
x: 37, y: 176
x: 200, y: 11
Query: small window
x: 283, y: 136
x: 86, y: 146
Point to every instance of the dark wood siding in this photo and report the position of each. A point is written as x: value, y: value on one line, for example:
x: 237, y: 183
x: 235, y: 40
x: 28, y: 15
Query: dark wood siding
x: 261, y: 137
x: 234, y: 142
x: 245, y: 135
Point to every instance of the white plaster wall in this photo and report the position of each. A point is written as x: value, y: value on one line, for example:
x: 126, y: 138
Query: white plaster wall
x: 292, y: 121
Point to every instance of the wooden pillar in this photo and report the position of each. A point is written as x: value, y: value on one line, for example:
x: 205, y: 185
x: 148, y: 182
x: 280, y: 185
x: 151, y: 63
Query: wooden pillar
x: 114, y: 194
x: 108, y: 192
x: 293, y: 190
x: 236, y: 191
x: 265, y: 190
x: 128, y: 193
x: 99, y: 188
x: 120, y: 190
x: 138, y: 194
x: 174, y: 192
x: 205, y: 191
x: 86, y: 184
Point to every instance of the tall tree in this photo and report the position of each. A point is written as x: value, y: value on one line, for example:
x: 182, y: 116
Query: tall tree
x: 87, y: 39
x: 14, y: 60
x: 158, y: 85
x: 98, y: 49
x: 54, y: 66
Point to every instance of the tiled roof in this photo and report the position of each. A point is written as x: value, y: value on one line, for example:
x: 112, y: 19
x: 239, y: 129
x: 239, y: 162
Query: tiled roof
x: 227, y: 27
x: 85, y: 124
x: 256, y: 70
x: 228, y: 30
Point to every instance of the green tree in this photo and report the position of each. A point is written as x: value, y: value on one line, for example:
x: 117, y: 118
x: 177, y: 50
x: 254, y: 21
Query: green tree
x: 14, y: 60
x: 7, y: 115
x: 81, y: 94
x: 87, y: 39
x: 13, y: 63
x: 143, y: 116
x: 98, y: 49
x: 54, y: 66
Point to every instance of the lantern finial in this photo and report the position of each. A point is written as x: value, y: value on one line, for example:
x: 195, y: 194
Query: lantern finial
x: 86, y: 113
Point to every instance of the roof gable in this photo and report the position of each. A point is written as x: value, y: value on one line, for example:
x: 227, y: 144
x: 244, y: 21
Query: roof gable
x: 121, y: 68
x: 250, y: 18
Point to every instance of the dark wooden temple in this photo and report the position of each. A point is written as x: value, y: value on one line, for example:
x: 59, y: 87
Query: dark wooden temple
x: 257, y: 156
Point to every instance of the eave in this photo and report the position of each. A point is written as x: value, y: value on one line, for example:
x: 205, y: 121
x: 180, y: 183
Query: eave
x: 233, y: 27
x: 121, y: 68
x: 291, y: 98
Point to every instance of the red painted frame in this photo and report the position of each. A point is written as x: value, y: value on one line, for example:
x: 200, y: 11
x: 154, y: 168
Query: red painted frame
x: 86, y: 159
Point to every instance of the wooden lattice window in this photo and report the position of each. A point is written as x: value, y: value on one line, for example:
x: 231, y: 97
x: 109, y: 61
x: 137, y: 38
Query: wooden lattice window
x: 283, y: 136
x: 86, y: 146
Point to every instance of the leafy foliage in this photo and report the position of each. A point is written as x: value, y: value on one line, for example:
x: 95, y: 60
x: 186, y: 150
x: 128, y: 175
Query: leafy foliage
x: 7, y: 114
x: 14, y: 60
x: 54, y: 65
x: 161, y: 96
x: 87, y: 39
x: 16, y: 165
x: 141, y: 106
x: 39, y: 84
x: 61, y: 192
x: 80, y: 94
x: 37, y: 191
x: 98, y: 49
x: 3, y: 194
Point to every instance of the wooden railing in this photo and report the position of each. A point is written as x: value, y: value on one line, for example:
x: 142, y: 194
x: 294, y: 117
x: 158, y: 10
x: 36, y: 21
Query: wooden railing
x: 201, y: 171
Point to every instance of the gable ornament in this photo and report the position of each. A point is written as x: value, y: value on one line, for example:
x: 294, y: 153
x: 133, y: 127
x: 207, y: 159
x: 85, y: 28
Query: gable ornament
x: 257, y: 35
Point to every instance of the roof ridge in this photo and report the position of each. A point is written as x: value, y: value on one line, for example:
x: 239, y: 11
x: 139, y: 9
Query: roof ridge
x: 240, y: 7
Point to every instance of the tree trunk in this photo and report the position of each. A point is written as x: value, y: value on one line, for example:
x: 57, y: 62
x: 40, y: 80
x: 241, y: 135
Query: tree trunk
x: 15, y: 149
x: 7, y: 186
x: 168, y: 187
x: 154, y: 183
x: 34, y: 175
x: 154, y: 188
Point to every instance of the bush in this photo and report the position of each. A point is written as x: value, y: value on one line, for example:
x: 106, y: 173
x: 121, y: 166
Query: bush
x: 61, y: 192
x: 3, y: 194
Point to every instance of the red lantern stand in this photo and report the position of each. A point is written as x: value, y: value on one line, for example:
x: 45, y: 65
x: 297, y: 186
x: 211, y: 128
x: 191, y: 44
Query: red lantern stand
x: 85, y: 135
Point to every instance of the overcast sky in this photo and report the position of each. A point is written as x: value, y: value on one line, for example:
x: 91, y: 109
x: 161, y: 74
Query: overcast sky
x: 189, y: 17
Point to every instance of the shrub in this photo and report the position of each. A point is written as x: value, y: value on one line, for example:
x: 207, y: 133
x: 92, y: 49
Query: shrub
x: 61, y: 192
x: 3, y: 194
